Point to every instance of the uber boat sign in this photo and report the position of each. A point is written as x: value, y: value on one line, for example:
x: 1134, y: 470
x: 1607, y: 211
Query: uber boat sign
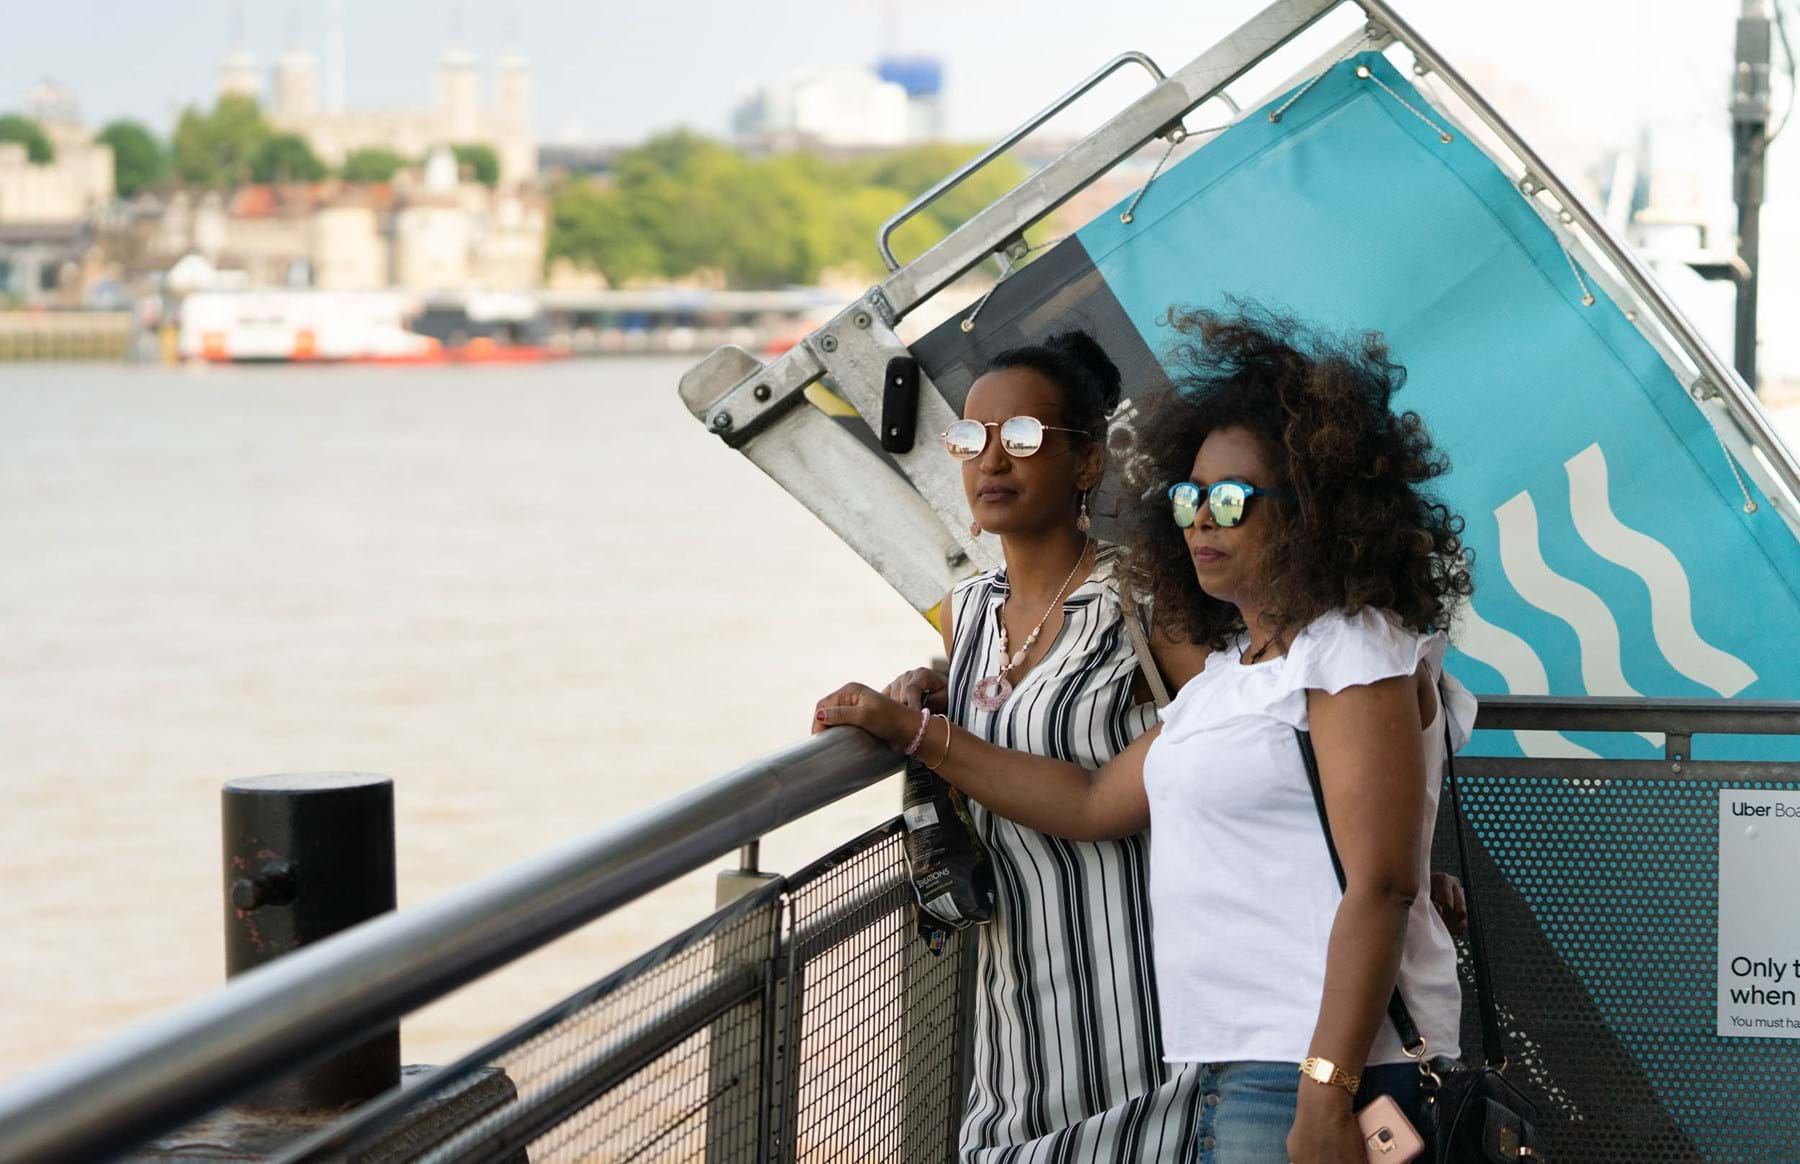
x: 1759, y: 914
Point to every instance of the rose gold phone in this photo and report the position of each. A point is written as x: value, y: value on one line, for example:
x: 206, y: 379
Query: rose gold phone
x: 1388, y: 1134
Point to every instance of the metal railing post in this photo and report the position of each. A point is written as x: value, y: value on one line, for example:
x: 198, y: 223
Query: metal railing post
x: 1749, y: 150
x: 744, y: 880
x: 785, y: 1065
x: 737, y: 1101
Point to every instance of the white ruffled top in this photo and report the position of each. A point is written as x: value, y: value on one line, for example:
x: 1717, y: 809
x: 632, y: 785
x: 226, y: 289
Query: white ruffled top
x: 1242, y: 890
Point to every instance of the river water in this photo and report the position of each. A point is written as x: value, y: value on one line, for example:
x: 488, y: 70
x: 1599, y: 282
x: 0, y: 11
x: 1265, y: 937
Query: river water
x: 538, y: 598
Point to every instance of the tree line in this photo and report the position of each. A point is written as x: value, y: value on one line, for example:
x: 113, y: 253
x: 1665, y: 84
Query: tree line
x: 680, y: 205
x: 228, y: 146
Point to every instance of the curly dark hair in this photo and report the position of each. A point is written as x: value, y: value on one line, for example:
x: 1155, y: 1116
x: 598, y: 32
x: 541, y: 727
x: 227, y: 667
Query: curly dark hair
x: 1355, y: 527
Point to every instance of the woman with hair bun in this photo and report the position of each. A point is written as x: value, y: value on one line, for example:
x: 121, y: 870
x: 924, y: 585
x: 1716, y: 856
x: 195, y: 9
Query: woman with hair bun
x: 1068, y: 1061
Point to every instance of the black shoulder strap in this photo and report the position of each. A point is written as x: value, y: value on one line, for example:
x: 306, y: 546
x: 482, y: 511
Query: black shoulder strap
x: 1492, y: 1039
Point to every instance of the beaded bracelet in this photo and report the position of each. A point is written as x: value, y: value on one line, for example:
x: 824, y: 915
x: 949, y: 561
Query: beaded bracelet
x: 924, y: 722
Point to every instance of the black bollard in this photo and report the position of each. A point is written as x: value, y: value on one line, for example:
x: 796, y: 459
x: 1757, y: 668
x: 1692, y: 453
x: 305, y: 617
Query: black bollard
x: 306, y: 856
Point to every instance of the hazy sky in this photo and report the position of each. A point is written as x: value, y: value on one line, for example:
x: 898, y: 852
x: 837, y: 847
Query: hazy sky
x: 612, y: 71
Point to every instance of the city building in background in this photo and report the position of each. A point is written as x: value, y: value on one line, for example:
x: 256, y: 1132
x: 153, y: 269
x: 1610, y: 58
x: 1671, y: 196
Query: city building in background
x: 899, y: 102
x: 76, y: 183
x: 457, y: 114
x: 66, y: 242
x: 922, y: 78
x: 47, y: 209
x: 428, y: 230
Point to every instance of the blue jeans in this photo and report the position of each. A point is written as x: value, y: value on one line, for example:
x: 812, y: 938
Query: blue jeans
x: 1247, y: 1109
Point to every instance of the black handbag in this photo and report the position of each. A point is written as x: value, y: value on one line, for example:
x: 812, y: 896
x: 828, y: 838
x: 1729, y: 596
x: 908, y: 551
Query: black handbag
x: 1469, y: 1114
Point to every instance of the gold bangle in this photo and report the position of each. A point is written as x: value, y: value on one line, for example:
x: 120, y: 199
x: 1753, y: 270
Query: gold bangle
x: 943, y: 759
x: 1324, y: 1071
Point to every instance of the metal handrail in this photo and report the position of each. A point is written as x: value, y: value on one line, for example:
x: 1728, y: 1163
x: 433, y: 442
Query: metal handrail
x: 1023, y: 130
x: 1689, y: 717
x: 182, y: 1064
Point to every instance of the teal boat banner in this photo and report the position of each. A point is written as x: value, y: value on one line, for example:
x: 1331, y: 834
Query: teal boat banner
x: 1613, y: 551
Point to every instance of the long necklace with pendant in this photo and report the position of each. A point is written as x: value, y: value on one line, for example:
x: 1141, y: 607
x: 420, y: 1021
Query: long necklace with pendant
x: 991, y: 693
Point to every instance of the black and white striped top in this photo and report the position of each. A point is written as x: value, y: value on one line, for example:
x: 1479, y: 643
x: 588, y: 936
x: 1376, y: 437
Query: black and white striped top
x: 1068, y: 1052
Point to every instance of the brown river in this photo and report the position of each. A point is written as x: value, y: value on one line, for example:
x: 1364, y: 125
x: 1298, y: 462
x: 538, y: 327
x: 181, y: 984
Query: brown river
x: 537, y: 598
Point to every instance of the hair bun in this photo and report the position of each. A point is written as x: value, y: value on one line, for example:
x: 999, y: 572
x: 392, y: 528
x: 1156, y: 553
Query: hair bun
x: 1085, y: 352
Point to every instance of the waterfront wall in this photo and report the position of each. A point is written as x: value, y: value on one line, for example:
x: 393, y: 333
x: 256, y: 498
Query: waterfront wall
x: 83, y: 335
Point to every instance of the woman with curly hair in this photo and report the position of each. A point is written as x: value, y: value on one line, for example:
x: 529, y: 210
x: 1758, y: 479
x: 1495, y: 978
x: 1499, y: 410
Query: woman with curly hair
x: 1299, y: 546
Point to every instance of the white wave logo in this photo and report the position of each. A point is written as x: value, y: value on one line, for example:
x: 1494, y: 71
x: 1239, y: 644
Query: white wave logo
x: 1602, y: 668
x: 1671, y: 598
x: 1596, y: 631
x: 1524, y: 673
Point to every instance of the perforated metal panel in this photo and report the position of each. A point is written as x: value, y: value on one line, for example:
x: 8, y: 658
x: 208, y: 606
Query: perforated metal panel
x: 1598, y: 883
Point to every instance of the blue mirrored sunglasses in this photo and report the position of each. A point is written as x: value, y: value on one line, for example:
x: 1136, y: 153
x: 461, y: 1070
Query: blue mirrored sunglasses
x: 1226, y: 499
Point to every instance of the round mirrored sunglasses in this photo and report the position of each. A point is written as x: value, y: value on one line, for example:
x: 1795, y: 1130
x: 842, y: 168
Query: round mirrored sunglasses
x: 1020, y: 436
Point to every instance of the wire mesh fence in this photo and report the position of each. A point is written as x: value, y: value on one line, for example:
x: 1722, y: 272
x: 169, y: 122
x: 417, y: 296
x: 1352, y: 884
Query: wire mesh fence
x: 658, y: 1062
x: 877, y: 1056
x: 807, y: 1021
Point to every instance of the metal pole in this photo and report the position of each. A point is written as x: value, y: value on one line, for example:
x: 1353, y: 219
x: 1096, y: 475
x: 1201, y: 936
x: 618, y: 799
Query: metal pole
x: 1749, y: 146
x: 307, y: 856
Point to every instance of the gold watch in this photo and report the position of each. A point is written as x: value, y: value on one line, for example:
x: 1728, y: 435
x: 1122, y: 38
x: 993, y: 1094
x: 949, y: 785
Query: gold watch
x: 1321, y: 1070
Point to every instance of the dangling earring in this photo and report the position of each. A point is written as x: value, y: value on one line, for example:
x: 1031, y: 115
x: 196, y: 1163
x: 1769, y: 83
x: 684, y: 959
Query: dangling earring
x: 1082, y: 523
x: 974, y: 529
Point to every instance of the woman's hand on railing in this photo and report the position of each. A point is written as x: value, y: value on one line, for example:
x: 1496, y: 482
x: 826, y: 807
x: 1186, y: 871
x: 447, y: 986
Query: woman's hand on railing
x: 920, y: 688
x: 857, y: 705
